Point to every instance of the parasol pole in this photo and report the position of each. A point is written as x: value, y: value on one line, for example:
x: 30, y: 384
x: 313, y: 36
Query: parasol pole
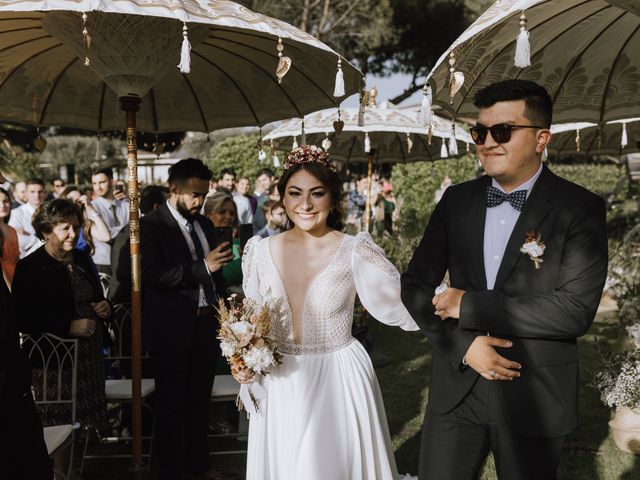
x: 131, y: 104
x: 367, y: 208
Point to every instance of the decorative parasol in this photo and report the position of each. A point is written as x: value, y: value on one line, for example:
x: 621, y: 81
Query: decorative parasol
x: 584, y: 52
x: 165, y: 65
x: 616, y: 138
x: 386, y: 134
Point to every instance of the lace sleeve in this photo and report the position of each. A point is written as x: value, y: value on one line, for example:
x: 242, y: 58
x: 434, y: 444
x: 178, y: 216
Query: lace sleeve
x: 369, y: 251
x: 249, y: 273
x: 377, y: 282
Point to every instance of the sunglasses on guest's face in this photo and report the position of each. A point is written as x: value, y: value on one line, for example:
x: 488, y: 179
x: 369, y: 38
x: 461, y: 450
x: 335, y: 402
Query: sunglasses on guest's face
x: 500, y: 132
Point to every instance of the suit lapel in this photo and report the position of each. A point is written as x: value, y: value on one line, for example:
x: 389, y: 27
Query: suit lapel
x: 535, y: 210
x: 174, y: 232
x: 474, y: 226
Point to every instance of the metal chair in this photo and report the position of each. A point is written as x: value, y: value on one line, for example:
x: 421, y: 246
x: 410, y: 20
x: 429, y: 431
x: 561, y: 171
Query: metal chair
x: 120, y: 390
x: 58, y: 360
x: 226, y: 389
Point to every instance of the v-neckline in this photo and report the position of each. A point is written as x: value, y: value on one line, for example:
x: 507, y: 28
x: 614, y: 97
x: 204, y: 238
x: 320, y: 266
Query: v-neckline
x: 309, y: 286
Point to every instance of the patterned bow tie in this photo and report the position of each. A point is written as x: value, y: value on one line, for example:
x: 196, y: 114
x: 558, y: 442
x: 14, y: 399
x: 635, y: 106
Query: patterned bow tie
x: 495, y: 197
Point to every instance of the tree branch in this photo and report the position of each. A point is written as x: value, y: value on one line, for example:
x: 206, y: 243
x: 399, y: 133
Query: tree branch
x: 410, y: 90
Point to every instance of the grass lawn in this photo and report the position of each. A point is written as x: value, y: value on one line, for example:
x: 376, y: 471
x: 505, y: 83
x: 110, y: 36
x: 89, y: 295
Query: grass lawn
x: 589, y: 453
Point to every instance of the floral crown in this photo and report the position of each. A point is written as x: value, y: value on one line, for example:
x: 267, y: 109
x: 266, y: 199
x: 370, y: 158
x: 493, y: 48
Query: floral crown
x: 308, y: 154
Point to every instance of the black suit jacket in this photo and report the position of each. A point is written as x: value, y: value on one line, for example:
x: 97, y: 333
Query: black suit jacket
x: 171, y: 280
x: 541, y: 311
x: 43, y: 295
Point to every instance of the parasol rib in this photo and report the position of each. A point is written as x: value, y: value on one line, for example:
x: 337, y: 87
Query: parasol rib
x: 54, y: 84
x: 232, y: 81
x: 103, y: 92
x: 269, y: 75
x: 613, y: 68
x: 154, y: 113
x: 48, y: 49
x: 508, y: 45
x: 198, y: 104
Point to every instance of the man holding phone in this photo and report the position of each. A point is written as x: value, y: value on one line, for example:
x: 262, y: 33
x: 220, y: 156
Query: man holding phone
x: 182, y: 281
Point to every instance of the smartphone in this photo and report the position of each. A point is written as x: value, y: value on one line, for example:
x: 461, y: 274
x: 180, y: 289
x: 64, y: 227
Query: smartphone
x: 246, y: 232
x: 224, y: 234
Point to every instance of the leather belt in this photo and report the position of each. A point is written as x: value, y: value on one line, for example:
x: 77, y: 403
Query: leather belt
x: 205, y: 311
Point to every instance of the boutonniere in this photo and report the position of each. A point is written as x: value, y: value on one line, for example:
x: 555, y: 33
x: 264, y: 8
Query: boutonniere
x: 534, y: 247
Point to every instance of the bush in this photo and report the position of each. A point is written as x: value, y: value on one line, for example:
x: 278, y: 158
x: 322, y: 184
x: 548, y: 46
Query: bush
x: 240, y: 153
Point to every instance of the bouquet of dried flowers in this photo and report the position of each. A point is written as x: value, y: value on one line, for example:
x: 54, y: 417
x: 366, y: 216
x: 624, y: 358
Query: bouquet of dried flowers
x: 619, y: 382
x: 245, y: 341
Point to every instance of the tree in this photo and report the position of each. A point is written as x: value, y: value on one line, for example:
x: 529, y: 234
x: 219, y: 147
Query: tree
x: 426, y: 28
x: 241, y: 154
x: 353, y: 28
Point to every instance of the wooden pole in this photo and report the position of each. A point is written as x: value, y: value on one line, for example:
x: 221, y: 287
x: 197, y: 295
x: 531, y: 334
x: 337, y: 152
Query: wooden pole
x: 131, y: 105
x: 367, y: 208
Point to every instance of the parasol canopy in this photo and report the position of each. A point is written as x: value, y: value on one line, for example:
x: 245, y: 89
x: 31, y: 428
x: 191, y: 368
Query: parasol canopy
x: 616, y: 138
x: 393, y: 134
x: 66, y: 63
x: 584, y: 52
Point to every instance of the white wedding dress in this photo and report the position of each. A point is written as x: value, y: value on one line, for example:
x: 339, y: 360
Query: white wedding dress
x: 323, y: 417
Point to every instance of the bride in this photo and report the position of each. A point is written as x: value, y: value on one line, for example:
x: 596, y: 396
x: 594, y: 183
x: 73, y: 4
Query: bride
x: 323, y: 416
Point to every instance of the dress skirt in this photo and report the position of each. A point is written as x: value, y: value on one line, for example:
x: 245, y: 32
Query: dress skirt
x: 323, y: 419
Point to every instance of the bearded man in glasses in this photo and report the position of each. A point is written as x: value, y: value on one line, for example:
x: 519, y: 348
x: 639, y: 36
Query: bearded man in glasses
x: 526, y: 253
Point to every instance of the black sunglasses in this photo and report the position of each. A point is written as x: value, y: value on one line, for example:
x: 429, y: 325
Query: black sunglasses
x: 500, y: 132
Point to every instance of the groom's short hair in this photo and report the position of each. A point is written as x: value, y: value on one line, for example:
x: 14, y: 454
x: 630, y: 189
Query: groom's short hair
x: 538, y: 104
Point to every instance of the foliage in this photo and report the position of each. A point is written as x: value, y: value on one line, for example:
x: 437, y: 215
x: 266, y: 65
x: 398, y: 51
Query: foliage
x: 351, y: 27
x: 415, y: 186
x: 18, y: 164
x: 619, y: 382
x: 602, y: 179
x: 426, y: 28
x: 241, y: 154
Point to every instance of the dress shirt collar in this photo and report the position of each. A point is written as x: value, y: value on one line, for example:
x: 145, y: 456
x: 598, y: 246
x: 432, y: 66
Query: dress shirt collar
x: 177, y: 215
x: 528, y: 185
x: 30, y: 208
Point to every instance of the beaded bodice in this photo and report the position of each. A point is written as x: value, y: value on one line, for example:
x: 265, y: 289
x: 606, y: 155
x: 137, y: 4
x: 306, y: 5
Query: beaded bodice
x: 327, y: 307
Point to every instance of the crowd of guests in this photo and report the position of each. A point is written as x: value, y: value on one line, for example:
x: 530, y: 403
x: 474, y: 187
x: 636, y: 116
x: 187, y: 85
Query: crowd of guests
x: 65, y: 258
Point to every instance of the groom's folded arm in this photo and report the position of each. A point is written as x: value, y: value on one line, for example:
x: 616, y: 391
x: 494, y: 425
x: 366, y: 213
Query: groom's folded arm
x: 424, y: 273
x: 567, y: 311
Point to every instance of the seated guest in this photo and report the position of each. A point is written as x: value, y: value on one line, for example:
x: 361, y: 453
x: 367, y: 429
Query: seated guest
x: 9, y: 247
x: 93, y: 226
x: 221, y: 210
x: 56, y: 290
x: 276, y: 218
x: 22, y: 216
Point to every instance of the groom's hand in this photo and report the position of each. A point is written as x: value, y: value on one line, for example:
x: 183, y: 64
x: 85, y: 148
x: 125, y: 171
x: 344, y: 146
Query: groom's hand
x: 448, y: 303
x: 484, y: 359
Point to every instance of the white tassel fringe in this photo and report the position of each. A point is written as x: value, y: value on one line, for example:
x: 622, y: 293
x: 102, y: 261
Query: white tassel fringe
x: 367, y: 143
x: 185, y: 53
x: 338, y: 90
x: 523, y: 48
x: 424, y: 117
x: 624, y: 140
x: 443, y: 150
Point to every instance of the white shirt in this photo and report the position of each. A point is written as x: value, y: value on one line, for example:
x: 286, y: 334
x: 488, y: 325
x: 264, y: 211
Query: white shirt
x: 102, y: 250
x: 182, y: 222
x: 498, y: 226
x: 245, y: 213
x: 22, y: 217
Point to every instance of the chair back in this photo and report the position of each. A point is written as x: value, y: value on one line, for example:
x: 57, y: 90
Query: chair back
x: 58, y: 360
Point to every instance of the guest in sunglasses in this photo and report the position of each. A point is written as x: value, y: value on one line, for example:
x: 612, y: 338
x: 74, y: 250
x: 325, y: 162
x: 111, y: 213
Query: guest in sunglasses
x: 526, y: 253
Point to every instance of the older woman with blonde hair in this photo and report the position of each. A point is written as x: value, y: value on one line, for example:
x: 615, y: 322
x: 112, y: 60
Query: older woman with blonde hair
x: 223, y: 212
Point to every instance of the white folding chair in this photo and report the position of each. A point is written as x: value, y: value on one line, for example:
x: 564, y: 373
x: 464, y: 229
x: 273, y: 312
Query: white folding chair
x: 119, y: 390
x: 57, y: 358
x: 226, y: 389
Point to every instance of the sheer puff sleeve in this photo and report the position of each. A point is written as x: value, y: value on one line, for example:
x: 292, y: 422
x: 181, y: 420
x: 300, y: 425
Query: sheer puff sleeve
x: 378, y: 284
x: 250, y: 283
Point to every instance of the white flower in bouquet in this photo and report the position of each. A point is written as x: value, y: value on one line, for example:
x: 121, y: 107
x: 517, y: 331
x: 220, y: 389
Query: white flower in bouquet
x: 227, y: 349
x: 619, y: 385
x: 259, y: 359
x: 241, y: 328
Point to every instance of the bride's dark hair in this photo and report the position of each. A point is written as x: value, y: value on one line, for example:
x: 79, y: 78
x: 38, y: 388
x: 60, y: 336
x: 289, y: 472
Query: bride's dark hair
x: 329, y: 180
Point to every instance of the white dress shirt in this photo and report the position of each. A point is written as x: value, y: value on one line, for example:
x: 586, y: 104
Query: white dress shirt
x: 498, y: 225
x: 21, y: 217
x: 245, y: 213
x: 182, y: 222
x: 115, y: 218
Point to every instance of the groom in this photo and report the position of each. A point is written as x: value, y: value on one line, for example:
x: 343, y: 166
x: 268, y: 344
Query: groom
x: 505, y: 365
